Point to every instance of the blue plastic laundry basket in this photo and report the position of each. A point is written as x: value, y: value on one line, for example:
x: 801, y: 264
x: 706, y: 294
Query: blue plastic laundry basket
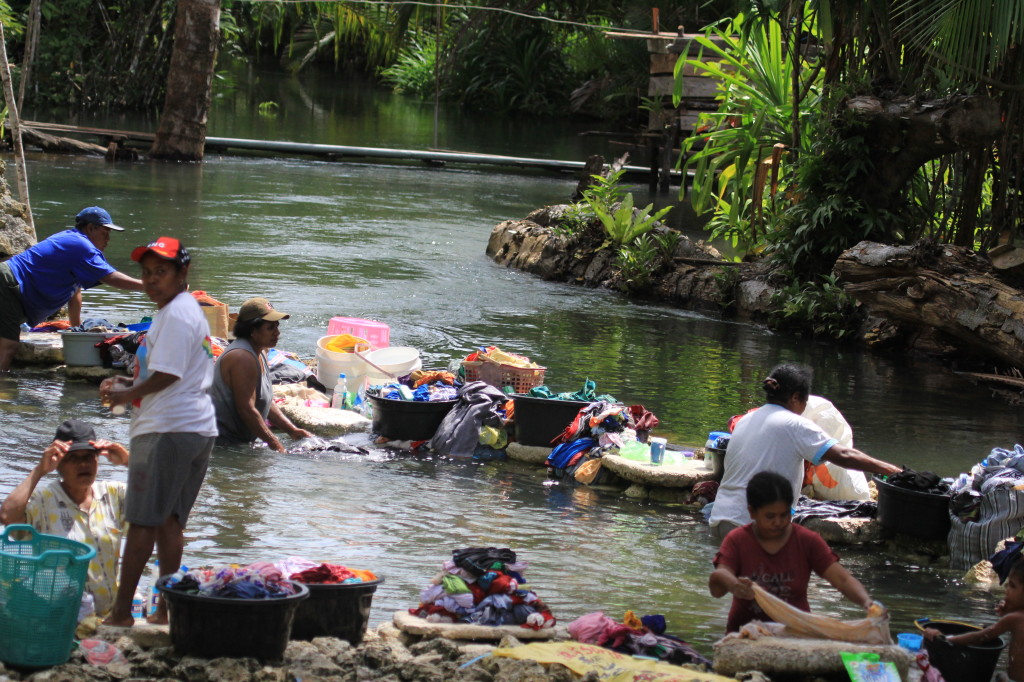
x: 41, y: 582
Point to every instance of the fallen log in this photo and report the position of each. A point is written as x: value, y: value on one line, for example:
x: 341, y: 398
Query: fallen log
x: 946, y: 291
x: 60, y: 145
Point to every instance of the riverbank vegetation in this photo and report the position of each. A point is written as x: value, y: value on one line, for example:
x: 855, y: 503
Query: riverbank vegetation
x: 888, y: 120
x: 842, y: 122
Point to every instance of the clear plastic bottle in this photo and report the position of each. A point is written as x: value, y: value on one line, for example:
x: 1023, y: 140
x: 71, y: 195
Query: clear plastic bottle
x: 340, y: 399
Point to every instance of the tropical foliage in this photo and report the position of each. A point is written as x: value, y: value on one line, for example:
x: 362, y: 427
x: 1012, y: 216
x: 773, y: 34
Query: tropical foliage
x: 783, y: 166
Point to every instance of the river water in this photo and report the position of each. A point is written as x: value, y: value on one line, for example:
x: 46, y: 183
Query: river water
x: 405, y: 244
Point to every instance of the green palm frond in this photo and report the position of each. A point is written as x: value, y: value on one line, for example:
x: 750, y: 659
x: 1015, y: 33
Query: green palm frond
x: 975, y: 35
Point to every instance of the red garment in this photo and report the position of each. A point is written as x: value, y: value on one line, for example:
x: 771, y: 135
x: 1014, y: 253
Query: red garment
x: 785, y: 573
x: 324, y: 574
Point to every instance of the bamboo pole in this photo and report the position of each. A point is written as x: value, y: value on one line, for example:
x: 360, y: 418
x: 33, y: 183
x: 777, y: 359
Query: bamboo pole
x: 12, y: 115
x: 31, y: 42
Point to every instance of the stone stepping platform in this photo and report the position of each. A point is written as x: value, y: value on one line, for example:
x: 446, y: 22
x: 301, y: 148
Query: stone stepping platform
x: 785, y: 656
x: 414, y: 625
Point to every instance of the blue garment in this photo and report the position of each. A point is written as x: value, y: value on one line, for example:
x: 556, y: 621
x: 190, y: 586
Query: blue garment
x: 50, y: 272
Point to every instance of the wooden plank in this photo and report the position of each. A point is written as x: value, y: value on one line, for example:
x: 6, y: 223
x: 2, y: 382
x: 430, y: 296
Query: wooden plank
x: 694, y: 87
x: 663, y: 63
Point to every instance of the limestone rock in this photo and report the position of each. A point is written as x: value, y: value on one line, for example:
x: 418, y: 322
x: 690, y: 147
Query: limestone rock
x: 15, y: 234
x: 527, y: 453
x: 143, y: 635
x: 335, y: 649
x: 40, y: 348
x: 636, y: 491
x: 445, y: 649
x: 91, y: 374
x: 847, y: 531
x: 782, y: 656
x: 325, y: 421
x: 231, y: 669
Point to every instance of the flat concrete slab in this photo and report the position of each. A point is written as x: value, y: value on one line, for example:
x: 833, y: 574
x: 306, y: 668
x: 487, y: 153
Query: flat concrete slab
x: 40, y: 348
x: 685, y: 474
x: 414, y: 625
x: 785, y: 656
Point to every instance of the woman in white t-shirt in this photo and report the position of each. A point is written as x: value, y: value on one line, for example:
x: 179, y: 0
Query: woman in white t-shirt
x: 173, y: 426
x: 776, y: 438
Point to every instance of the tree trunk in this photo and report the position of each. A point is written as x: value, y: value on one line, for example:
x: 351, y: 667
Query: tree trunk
x: 946, y: 289
x: 181, y: 135
x: 902, y: 134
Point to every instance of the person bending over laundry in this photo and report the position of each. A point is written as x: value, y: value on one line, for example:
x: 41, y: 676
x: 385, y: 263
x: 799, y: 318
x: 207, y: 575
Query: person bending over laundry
x: 173, y: 426
x: 1011, y: 620
x: 39, y: 281
x: 243, y: 395
x: 776, y: 554
x: 774, y: 437
x: 77, y: 506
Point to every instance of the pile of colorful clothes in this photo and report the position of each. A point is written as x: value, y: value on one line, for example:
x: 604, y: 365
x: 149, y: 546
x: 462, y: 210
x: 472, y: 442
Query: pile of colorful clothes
x: 422, y: 386
x: 484, y: 586
x: 256, y: 581
x: 263, y: 579
x: 599, y: 428
x: 635, y: 637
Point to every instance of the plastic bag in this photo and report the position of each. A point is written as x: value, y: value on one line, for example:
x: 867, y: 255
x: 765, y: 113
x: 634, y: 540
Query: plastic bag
x: 587, y: 472
x: 865, y: 667
x: 636, y: 451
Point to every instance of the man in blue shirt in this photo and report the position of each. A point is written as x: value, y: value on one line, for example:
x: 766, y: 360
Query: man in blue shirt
x: 40, y: 281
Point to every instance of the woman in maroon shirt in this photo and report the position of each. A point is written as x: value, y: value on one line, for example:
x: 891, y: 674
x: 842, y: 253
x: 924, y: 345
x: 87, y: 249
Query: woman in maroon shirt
x: 776, y: 554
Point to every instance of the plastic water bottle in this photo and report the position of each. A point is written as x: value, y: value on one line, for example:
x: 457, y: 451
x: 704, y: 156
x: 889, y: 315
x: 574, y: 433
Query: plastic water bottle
x: 139, y: 604
x: 340, y: 397
x: 154, y: 594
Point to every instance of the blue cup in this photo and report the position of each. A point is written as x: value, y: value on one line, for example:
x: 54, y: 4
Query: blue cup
x: 909, y: 641
x: 658, y: 450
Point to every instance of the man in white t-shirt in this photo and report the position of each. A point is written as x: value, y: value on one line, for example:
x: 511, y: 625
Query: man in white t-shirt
x: 173, y: 426
x: 776, y: 438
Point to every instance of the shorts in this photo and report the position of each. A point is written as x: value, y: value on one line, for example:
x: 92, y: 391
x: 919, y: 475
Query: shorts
x: 723, y: 528
x: 165, y: 472
x: 12, y: 314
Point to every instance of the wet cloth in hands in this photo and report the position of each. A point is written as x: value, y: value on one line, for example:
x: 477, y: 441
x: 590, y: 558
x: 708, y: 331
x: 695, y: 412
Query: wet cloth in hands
x: 920, y: 481
x: 874, y: 629
x: 807, y: 508
x: 479, y: 405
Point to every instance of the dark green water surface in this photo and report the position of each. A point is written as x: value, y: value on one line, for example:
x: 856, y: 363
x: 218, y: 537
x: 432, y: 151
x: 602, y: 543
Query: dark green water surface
x: 404, y: 244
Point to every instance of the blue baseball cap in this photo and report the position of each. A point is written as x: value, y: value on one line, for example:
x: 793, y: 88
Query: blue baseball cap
x: 98, y: 216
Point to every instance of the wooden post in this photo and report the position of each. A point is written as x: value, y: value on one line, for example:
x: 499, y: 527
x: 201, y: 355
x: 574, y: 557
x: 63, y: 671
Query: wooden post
x: 12, y: 115
x: 654, y: 20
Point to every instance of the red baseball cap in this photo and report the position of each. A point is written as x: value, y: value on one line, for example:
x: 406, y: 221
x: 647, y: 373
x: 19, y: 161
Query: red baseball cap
x: 168, y: 248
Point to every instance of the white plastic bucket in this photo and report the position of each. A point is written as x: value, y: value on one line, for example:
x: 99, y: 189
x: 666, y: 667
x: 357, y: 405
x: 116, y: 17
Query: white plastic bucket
x: 330, y: 364
x: 398, y: 360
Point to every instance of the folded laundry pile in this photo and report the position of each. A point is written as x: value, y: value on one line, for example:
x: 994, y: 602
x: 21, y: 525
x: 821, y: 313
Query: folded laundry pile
x: 484, y: 586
